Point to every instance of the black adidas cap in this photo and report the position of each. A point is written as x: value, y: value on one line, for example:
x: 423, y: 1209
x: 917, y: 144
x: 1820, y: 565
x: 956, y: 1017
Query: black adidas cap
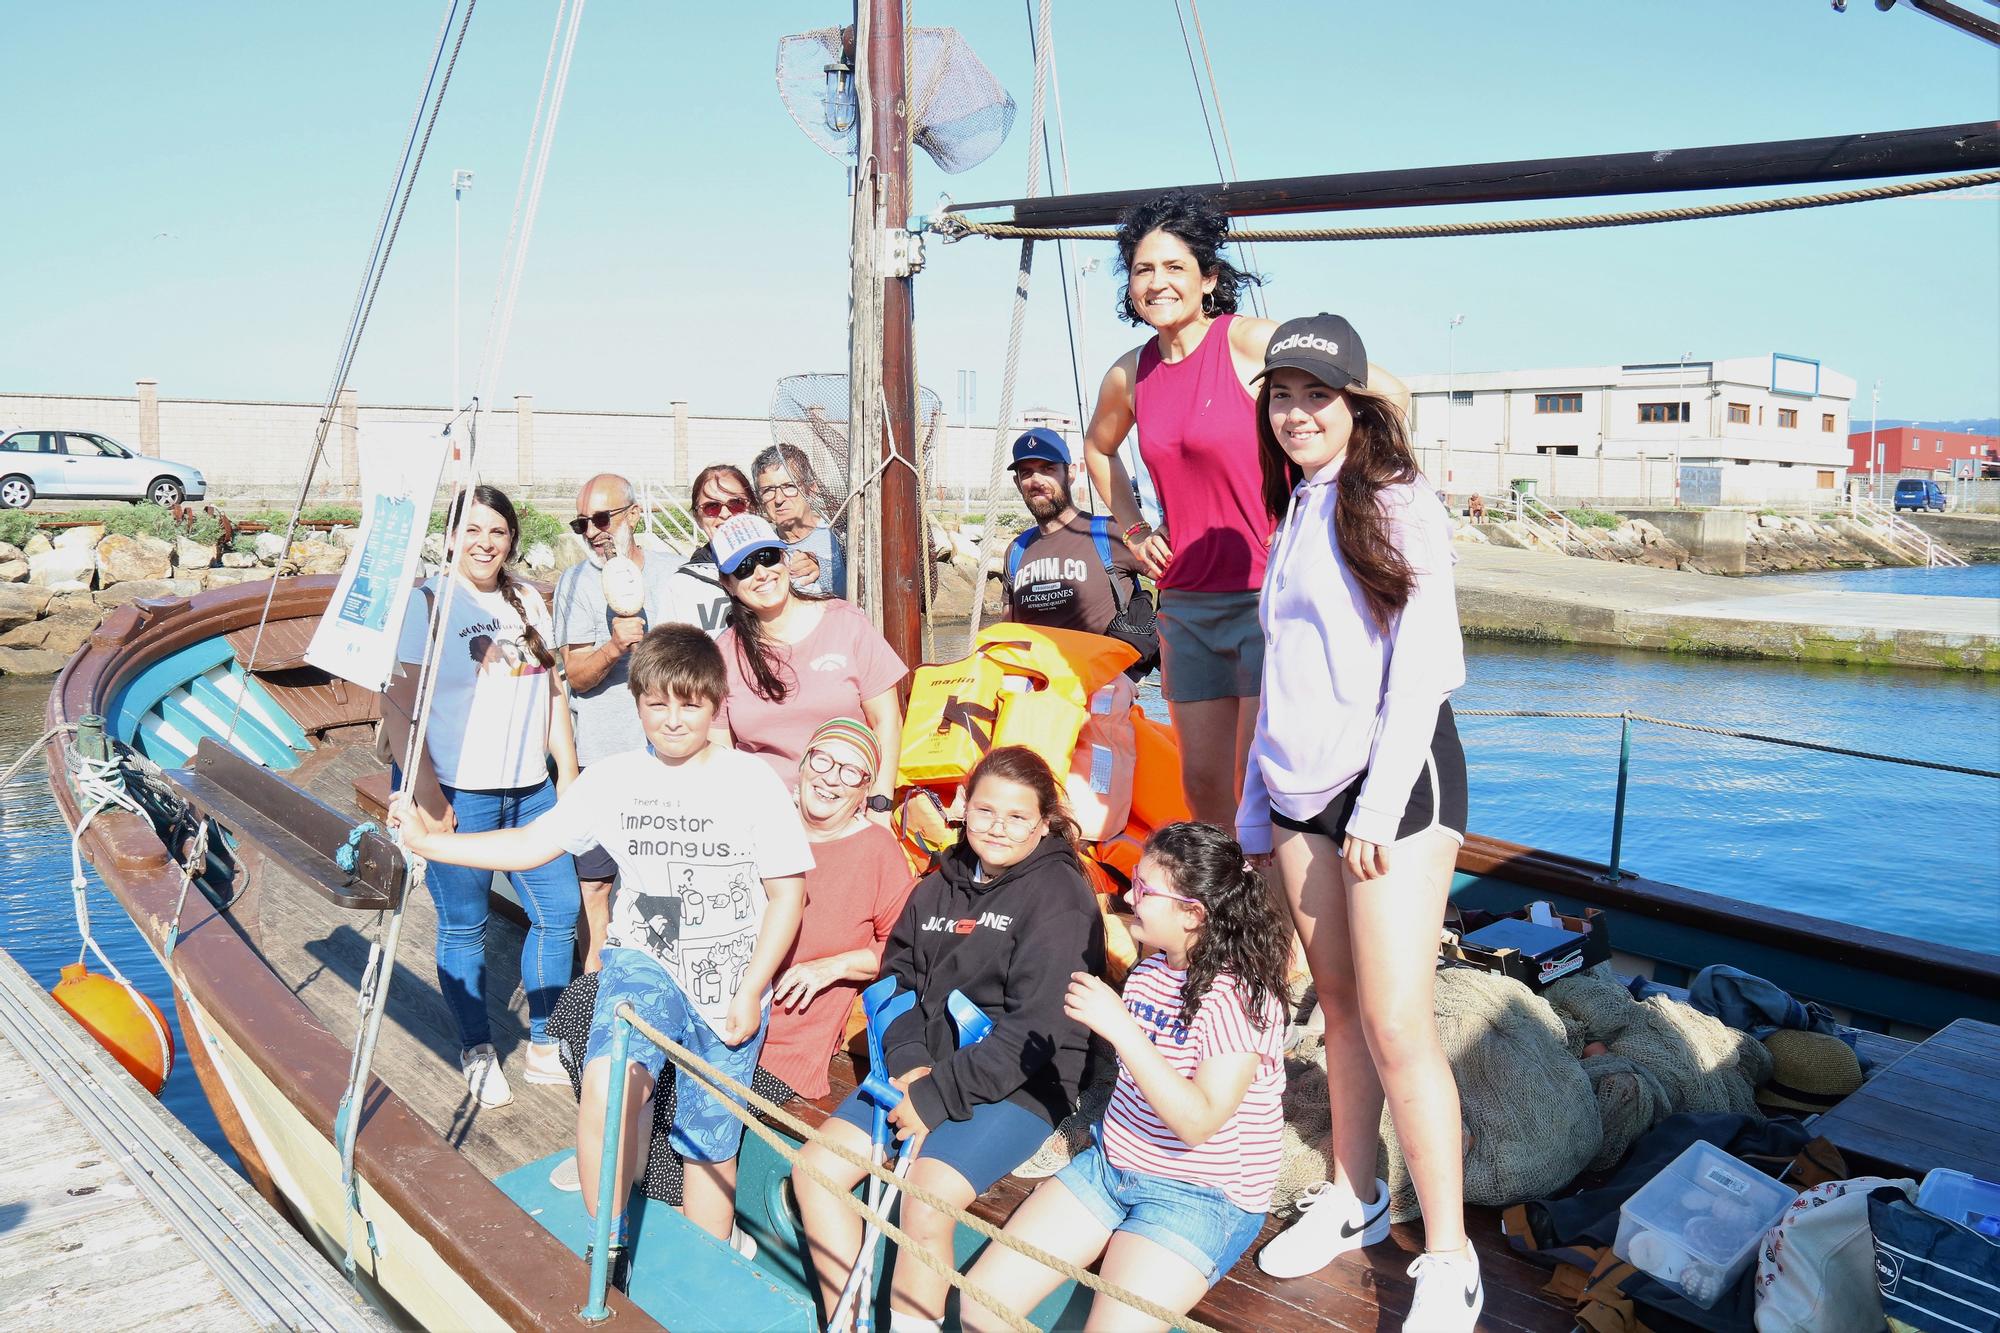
x: 1324, y: 346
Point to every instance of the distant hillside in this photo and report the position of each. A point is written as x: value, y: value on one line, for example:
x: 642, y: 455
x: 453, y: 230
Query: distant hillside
x: 1970, y: 426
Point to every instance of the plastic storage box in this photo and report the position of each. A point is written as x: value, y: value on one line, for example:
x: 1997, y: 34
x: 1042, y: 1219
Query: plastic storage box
x: 1695, y: 1226
x: 1966, y: 1200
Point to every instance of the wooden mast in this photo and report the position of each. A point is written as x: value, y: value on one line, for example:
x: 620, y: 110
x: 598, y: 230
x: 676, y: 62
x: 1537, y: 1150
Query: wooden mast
x: 883, y: 413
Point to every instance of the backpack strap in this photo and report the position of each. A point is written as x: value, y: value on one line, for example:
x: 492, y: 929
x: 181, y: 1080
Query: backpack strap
x: 1017, y: 549
x: 1100, y: 533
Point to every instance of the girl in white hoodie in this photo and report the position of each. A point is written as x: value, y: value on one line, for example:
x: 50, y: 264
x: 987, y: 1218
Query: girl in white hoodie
x: 1357, y: 771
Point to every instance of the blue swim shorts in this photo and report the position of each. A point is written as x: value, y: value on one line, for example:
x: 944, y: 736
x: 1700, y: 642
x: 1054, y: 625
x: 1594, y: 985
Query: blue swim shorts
x: 999, y: 1137
x: 703, y: 1130
x: 1198, y: 1223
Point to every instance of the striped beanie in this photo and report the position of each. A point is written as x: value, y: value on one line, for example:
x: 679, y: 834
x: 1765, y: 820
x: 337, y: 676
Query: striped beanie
x: 844, y: 733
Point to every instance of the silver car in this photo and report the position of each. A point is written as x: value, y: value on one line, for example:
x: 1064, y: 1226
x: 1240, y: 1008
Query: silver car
x: 82, y: 465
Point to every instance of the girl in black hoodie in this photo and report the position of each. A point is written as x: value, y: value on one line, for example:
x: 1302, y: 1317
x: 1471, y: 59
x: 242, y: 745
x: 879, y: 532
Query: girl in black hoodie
x: 1006, y: 918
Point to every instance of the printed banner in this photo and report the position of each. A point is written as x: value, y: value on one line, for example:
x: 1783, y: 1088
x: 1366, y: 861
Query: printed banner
x: 400, y: 467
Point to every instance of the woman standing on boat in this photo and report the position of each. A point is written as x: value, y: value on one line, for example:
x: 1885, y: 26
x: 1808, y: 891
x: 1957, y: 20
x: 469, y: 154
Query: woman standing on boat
x: 797, y: 659
x: 1356, y: 769
x: 1187, y: 390
x: 497, y: 717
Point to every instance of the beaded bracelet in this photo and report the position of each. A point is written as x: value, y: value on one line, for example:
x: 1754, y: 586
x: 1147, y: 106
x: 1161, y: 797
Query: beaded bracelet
x: 1141, y: 526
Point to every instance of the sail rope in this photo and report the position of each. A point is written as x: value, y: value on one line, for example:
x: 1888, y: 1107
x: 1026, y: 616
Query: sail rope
x: 1734, y: 734
x: 954, y: 226
x: 1228, y: 174
x: 409, y: 166
x: 1059, y: 158
x: 989, y: 536
x: 722, y: 1087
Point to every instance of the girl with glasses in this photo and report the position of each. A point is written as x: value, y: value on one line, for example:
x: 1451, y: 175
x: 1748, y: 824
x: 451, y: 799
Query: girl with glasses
x: 797, y: 659
x: 1175, y: 1184
x: 1006, y: 918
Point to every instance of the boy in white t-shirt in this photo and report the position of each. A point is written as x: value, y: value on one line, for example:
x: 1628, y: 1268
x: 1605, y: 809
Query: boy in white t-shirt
x: 711, y: 888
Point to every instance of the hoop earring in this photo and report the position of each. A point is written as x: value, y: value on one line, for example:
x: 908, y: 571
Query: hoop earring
x: 1208, y: 303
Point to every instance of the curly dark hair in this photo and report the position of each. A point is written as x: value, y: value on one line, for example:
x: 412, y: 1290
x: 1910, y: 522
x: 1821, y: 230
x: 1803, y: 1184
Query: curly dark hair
x: 1244, y: 935
x: 1203, y: 229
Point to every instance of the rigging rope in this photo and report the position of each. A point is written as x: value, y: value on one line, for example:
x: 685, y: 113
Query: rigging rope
x: 953, y: 226
x: 717, y: 1083
x: 1256, y: 293
x: 1062, y: 251
x: 1734, y: 734
x: 989, y: 545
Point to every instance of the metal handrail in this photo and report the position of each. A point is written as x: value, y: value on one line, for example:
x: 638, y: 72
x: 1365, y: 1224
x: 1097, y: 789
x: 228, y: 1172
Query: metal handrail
x: 1897, y: 531
x: 1613, y: 872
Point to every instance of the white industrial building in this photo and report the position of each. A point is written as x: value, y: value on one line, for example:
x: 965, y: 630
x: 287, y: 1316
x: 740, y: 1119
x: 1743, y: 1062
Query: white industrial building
x: 1745, y: 430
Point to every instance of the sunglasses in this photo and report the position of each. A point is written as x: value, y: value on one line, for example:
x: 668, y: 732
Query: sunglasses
x: 583, y: 523
x: 762, y: 558
x: 1141, y: 890
x: 735, y: 504
x: 819, y: 761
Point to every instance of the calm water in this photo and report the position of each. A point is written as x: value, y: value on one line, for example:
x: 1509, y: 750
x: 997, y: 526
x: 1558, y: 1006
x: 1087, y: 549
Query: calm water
x: 1967, y: 581
x: 1898, y: 849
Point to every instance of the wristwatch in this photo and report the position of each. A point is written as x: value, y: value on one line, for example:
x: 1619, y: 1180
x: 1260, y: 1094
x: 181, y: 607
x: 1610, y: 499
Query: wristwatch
x: 880, y: 804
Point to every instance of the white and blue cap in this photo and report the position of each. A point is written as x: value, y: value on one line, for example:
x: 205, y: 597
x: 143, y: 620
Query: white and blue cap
x: 746, y: 534
x: 1324, y: 346
x: 1043, y: 444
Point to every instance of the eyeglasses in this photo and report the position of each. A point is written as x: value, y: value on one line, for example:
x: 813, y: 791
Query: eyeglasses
x: 735, y: 504
x: 762, y: 558
x: 1015, y: 827
x: 819, y: 761
x: 1141, y: 890
x: 783, y: 489
x: 583, y: 523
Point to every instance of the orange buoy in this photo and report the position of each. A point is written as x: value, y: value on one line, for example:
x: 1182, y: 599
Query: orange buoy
x: 125, y: 1023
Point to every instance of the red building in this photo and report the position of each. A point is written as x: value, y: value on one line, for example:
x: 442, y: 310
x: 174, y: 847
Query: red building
x: 1920, y: 449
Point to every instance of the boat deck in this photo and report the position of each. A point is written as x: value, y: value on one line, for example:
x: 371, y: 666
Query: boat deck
x: 114, y: 1217
x: 319, y: 949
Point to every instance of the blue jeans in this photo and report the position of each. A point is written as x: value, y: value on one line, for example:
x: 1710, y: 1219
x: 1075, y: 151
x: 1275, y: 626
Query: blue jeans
x: 548, y: 894
x: 1196, y: 1223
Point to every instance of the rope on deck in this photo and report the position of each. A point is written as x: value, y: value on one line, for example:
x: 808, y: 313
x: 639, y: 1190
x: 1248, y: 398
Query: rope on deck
x: 1850, y: 752
x: 954, y: 226
x: 715, y: 1081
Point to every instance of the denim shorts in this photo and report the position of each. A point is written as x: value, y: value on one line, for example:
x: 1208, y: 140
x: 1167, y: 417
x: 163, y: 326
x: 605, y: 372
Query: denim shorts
x: 999, y: 1137
x: 1196, y: 1222
x: 1211, y: 646
x: 703, y: 1130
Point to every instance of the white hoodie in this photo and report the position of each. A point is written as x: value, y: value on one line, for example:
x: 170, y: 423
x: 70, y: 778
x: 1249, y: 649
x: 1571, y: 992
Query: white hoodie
x: 1342, y: 697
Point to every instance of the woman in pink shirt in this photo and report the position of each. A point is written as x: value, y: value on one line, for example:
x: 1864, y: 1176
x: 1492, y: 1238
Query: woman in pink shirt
x: 1175, y: 1183
x: 1186, y: 389
x: 797, y: 659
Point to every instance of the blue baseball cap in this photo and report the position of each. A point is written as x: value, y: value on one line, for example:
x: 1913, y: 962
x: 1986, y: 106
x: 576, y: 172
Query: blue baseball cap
x: 1041, y: 443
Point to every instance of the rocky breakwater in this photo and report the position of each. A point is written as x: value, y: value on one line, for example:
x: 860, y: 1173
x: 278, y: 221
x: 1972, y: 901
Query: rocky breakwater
x: 1634, y: 541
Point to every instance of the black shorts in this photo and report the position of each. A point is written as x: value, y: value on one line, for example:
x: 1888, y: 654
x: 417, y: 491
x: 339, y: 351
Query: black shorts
x: 1437, y: 800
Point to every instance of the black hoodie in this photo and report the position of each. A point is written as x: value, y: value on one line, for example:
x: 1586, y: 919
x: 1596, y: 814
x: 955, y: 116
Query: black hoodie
x: 1010, y: 944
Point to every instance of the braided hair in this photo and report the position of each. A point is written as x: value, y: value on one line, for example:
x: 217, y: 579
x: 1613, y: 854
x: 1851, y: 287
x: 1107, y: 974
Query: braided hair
x: 1244, y: 933
x: 492, y: 497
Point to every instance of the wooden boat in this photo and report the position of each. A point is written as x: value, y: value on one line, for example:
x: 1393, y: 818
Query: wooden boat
x: 267, y: 953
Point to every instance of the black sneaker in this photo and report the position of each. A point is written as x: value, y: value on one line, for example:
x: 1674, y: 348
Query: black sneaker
x: 619, y: 1267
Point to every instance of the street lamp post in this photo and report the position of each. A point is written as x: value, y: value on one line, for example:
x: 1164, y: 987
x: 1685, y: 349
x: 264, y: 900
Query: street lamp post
x: 1680, y: 431
x: 461, y: 181
x: 1450, y: 387
x: 1874, y: 449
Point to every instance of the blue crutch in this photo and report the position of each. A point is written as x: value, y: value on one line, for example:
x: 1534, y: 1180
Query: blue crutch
x: 881, y: 1005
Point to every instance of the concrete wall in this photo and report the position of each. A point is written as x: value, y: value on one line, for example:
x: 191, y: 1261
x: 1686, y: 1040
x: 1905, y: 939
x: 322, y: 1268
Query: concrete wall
x: 1973, y: 536
x: 1717, y: 538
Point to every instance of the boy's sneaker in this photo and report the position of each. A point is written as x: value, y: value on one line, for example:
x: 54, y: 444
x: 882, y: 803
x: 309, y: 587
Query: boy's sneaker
x: 484, y: 1076
x: 1449, y: 1293
x: 742, y: 1242
x: 618, y: 1267
x: 1331, y: 1222
x: 545, y: 1064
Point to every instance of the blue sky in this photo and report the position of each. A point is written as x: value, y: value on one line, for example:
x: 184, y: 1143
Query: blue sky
x: 190, y: 189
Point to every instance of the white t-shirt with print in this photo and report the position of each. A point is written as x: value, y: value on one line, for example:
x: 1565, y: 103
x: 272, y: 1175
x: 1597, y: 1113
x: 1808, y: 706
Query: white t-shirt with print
x: 694, y: 843
x: 489, y: 716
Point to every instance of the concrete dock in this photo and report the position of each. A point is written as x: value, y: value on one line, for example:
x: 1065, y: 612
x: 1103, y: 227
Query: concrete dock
x: 1531, y: 595
x: 113, y: 1216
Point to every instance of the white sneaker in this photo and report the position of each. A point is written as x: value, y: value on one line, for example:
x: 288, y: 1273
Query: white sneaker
x: 484, y: 1076
x: 742, y: 1242
x: 1449, y: 1293
x: 566, y: 1177
x: 1331, y: 1222
x: 545, y: 1064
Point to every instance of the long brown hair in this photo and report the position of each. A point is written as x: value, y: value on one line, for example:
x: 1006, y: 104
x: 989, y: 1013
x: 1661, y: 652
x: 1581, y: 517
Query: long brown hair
x: 756, y: 651
x: 496, y: 499
x: 1243, y: 934
x: 1378, y: 455
x: 1017, y: 763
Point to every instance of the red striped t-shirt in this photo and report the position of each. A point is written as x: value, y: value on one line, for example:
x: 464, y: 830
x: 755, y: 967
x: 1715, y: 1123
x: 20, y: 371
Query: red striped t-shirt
x: 1241, y: 1157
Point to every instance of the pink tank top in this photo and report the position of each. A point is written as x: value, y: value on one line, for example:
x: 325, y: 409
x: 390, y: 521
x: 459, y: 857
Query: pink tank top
x: 1198, y: 437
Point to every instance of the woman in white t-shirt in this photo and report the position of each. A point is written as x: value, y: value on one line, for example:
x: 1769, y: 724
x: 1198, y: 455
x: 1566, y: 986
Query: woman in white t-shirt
x: 497, y: 716
x: 1175, y: 1183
